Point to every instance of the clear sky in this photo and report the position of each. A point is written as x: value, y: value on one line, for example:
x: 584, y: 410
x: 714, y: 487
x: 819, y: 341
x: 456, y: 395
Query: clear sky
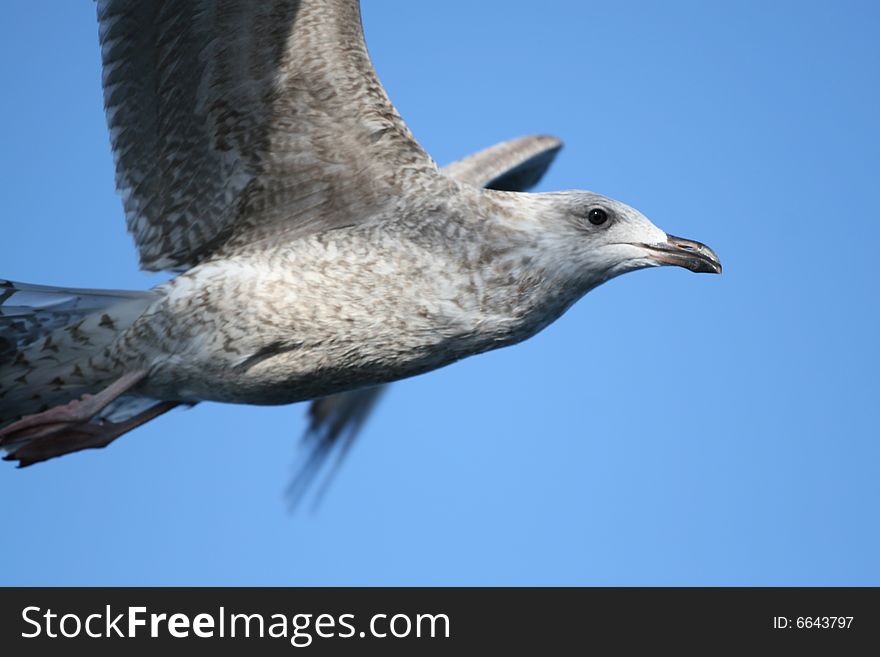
x: 671, y: 428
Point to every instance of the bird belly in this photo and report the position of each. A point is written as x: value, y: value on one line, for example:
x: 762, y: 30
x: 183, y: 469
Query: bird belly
x: 241, y: 336
x: 283, y: 373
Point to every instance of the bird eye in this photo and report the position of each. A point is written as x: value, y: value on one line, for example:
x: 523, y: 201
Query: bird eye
x: 597, y: 216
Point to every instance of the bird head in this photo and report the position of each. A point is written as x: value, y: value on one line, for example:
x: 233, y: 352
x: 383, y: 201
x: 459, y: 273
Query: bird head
x: 595, y: 238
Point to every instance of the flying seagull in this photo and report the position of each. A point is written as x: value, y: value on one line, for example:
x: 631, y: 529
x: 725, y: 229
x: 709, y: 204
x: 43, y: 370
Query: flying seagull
x: 321, y: 252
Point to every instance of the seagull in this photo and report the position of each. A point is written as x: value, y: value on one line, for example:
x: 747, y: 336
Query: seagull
x: 320, y: 253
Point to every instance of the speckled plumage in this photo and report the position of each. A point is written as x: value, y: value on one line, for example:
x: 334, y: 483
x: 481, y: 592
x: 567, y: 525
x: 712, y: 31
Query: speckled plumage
x: 368, y: 304
x: 233, y: 121
x: 322, y: 250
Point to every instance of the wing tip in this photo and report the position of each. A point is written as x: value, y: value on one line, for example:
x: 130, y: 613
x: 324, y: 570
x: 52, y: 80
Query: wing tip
x: 549, y: 142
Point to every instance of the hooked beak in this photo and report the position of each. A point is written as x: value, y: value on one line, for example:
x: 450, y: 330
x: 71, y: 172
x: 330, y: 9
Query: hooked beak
x: 684, y: 253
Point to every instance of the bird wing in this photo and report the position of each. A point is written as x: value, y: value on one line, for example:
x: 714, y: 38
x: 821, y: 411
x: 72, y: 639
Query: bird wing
x: 233, y: 120
x: 335, y: 420
x: 511, y: 166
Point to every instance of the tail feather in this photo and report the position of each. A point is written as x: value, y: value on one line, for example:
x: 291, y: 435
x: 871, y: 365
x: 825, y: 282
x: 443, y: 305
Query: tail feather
x: 30, y: 312
x: 48, y: 336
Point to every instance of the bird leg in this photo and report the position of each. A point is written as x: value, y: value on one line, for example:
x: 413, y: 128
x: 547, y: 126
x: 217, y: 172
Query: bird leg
x: 84, y: 435
x: 74, y: 413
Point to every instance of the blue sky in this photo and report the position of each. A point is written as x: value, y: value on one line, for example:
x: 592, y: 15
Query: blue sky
x: 669, y: 429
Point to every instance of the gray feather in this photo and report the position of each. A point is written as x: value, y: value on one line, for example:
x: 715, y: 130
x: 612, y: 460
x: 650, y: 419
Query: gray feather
x: 29, y: 312
x: 516, y: 165
x: 46, y: 337
x: 233, y: 120
x: 335, y: 421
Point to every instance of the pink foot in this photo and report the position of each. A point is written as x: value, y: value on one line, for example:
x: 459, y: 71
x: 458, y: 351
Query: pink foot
x: 78, y: 411
x: 59, y: 439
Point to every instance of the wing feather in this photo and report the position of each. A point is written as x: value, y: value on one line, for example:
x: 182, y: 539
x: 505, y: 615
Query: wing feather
x: 231, y: 118
x: 515, y: 165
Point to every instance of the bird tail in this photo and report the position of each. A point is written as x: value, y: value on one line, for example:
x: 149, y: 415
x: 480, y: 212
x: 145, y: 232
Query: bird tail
x: 47, y: 337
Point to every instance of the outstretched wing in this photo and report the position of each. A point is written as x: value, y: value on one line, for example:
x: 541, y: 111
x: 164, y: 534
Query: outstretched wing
x: 335, y: 421
x: 233, y: 119
x: 516, y: 165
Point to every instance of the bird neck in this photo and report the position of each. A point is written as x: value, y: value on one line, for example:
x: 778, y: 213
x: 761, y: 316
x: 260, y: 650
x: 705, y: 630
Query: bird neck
x: 519, y: 283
